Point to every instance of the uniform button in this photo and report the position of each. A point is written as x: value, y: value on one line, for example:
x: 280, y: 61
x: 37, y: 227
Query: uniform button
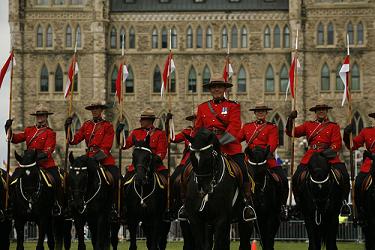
x: 213, y: 120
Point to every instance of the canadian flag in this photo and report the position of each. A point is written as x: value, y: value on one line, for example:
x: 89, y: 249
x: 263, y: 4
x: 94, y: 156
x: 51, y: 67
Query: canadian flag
x: 344, y: 75
x: 292, y: 71
x: 5, y: 67
x: 123, y: 74
x: 169, y: 67
x: 228, y: 70
x: 72, y: 68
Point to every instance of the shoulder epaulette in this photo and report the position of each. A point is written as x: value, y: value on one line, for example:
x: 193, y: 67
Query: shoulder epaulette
x: 271, y: 123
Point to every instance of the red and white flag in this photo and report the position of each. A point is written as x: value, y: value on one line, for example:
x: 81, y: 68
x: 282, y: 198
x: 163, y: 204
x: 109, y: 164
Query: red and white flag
x: 5, y: 68
x: 344, y: 75
x: 292, y: 71
x: 123, y: 74
x: 228, y: 70
x: 72, y: 68
x: 169, y: 67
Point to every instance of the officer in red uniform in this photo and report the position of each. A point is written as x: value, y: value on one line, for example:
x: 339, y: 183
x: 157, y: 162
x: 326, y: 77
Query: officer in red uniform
x: 223, y: 117
x: 98, y: 135
x: 41, y: 138
x: 322, y: 136
x: 365, y: 138
x: 262, y: 133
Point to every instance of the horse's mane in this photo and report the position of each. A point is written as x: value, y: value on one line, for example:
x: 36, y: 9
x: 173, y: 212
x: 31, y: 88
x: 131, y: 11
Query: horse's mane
x: 206, y: 135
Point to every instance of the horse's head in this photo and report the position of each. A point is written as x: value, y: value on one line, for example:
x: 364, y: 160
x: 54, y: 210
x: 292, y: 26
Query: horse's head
x: 28, y: 163
x: 257, y: 158
x: 319, y: 169
x: 143, y: 160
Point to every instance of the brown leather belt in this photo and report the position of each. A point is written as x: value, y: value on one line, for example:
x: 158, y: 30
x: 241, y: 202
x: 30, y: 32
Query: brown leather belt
x: 92, y: 149
x: 217, y: 131
x: 319, y: 146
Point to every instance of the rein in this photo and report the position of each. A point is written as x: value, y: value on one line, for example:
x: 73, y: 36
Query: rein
x: 33, y: 197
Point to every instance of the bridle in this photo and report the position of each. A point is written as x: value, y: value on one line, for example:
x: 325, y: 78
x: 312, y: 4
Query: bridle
x: 34, y: 197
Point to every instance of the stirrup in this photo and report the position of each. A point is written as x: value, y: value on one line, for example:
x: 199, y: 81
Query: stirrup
x: 181, y: 214
x: 345, y: 210
x: 253, y: 215
x: 284, y: 213
x: 56, y: 210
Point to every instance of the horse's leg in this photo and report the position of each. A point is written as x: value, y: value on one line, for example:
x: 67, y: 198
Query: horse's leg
x: 314, y: 241
x: 49, y: 232
x: 154, y: 233
x: 245, y: 231
x: 58, y: 232
x: 163, y: 238
x: 115, y: 227
x: 19, y: 225
x: 92, y: 228
x: 331, y: 231
x: 187, y: 235
x: 132, y: 227
x: 42, y: 229
x: 79, y: 225
x: 200, y: 234
x: 67, y: 234
x: 104, y: 229
x: 221, y: 235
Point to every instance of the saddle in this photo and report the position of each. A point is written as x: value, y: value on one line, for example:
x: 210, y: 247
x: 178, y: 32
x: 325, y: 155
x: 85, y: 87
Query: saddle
x: 160, y: 180
x: 234, y: 170
x: 366, y: 183
x: 107, y: 176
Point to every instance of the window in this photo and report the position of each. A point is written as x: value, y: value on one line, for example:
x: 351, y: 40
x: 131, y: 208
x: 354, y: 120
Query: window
x: 78, y: 37
x: 75, y: 86
x: 324, y: 79
x: 192, y: 81
x: 173, y: 82
x: 39, y: 37
x: 77, y: 2
x: 350, y: 32
x: 284, y: 79
x: 113, y: 79
x: 355, y: 77
x: 68, y: 37
x: 157, y: 80
x: 286, y: 37
x: 132, y: 38
x: 59, y: 2
x: 267, y: 37
x: 189, y: 38
x: 164, y: 38
x: 155, y: 39
x: 42, y: 2
x: 339, y: 83
x: 199, y: 37
x: 320, y: 34
x: 270, y: 80
x: 113, y: 38
x: 243, y: 37
x: 206, y: 77
x: 174, y: 38
x: 280, y: 126
x: 276, y: 37
x: 234, y: 39
x: 359, y: 33
x: 209, y: 38
x: 129, y: 84
x: 330, y: 35
x: 122, y: 37
x: 241, y: 81
x: 58, y: 79
x: 44, y: 79
x: 358, y: 123
x: 224, y: 38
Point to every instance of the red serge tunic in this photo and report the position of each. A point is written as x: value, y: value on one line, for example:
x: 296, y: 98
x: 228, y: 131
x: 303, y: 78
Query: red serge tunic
x: 180, y: 137
x: 365, y: 138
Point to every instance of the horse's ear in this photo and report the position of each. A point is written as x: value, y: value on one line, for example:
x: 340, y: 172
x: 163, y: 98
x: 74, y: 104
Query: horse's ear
x: 71, y: 157
x: 17, y: 156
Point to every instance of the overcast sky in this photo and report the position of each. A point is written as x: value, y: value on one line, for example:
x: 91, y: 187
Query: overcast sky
x: 4, y: 91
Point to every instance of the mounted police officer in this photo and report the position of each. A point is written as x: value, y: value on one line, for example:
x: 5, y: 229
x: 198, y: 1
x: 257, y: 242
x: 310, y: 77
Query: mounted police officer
x: 323, y: 136
x: 265, y: 134
x: 223, y: 118
x: 41, y: 138
x: 98, y: 135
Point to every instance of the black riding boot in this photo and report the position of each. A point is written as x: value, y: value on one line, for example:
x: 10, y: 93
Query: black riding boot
x: 248, y: 213
x: 284, y: 191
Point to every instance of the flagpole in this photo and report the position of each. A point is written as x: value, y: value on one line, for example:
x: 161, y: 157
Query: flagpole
x: 227, y: 65
x: 169, y: 80
x: 8, y: 134
x: 293, y: 123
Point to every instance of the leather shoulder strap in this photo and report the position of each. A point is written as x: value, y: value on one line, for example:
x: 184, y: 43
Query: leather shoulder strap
x: 256, y: 133
x: 216, y: 115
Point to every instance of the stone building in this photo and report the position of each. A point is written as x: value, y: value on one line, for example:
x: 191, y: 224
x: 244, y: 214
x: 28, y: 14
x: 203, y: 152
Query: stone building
x: 259, y: 33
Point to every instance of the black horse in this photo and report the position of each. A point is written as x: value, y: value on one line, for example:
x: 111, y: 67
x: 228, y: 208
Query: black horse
x: 5, y: 222
x: 144, y: 198
x: 213, y: 196
x: 319, y: 199
x: 267, y: 196
x: 32, y: 199
x: 90, y: 201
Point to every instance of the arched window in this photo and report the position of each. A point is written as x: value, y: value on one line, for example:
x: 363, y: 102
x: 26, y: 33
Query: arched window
x: 270, y: 80
x: 224, y: 38
x: 157, y: 80
x: 339, y: 83
x: 358, y: 123
x: 320, y: 34
x: 234, y: 38
x: 129, y: 83
x: 280, y: 125
x: 42, y: 2
x: 132, y: 38
x: 192, y: 81
x: 122, y: 38
x: 164, y: 38
x: 39, y: 37
x: 356, y: 79
x: 267, y: 37
x: 49, y: 37
x: 189, y: 38
x: 59, y: 2
x: 286, y: 37
x: 241, y: 81
x: 206, y: 77
x: 68, y: 37
x: 209, y: 38
x: 113, y: 38
x: 76, y: 125
x: 44, y: 79
x: 324, y: 78
x: 330, y: 34
x: 174, y: 38
x: 79, y: 37
x: 59, y: 79
x: 284, y: 79
x: 359, y: 33
x: 243, y: 37
x: 155, y: 38
x: 113, y: 79
x: 276, y: 37
x: 350, y: 32
x: 199, y: 37
x: 75, y: 86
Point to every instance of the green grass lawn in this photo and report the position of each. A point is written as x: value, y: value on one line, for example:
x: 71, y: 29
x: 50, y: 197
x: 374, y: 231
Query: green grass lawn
x: 234, y: 245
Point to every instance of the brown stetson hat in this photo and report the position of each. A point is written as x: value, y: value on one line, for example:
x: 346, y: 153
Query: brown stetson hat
x: 217, y: 80
x: 372, y: 115
x: 260, y: 107
x: 96, y: 105
x: 40, y: 109
x: 320, y: 106
x: 148, y: 113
